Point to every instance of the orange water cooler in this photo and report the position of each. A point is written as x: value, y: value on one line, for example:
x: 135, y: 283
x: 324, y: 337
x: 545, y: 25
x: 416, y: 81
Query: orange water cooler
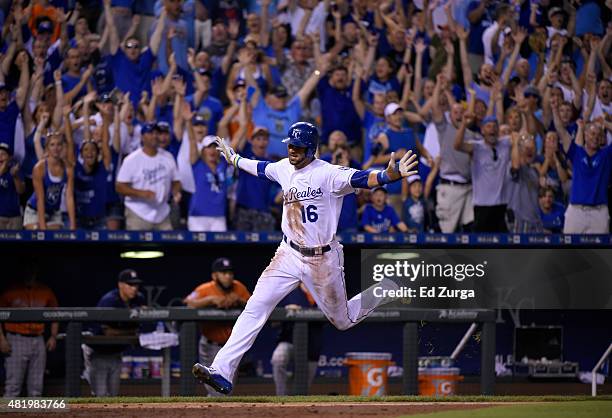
x: 368, y: 373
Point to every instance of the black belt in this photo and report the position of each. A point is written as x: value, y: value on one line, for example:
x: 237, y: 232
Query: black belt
x: 454, y: 183
x: 25, y: 335
x: 307, y: 251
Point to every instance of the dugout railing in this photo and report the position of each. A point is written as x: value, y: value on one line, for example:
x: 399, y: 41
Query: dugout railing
x: 187, y: 319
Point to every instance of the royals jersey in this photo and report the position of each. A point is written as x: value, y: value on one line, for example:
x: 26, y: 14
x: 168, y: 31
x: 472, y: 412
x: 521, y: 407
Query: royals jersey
x: 312, y: 198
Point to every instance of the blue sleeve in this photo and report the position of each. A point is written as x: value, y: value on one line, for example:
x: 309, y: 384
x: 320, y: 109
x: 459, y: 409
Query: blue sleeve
x: 359, y: 180
x: 261, y: 169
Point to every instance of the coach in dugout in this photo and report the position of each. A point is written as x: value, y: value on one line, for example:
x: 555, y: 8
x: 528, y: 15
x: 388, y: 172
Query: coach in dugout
x: 222, y: 292
x: 103, y: 362
x: 23, y: 343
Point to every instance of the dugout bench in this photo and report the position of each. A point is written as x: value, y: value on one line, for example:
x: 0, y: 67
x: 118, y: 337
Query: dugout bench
x: 188, y: 318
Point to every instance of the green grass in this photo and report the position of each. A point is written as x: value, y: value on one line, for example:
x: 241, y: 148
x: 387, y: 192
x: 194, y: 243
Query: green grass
x: 587, y: 409
x: 324, y: 399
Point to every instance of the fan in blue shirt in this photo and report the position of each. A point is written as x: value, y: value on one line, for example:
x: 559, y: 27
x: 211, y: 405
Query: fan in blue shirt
x: 207, y: 106
x: 131, y: 65
x: 415, y: 208
x: 337, y: 106
x: 551, y: 212
x: 378, y: 216
x: 276, y: 111
x: 591, y: 164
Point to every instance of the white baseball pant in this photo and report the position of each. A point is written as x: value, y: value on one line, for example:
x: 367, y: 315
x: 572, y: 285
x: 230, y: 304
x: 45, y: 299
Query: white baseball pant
x: 322, y: 275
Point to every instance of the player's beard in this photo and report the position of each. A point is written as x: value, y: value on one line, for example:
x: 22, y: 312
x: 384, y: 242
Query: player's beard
x: 225, y: 288
x: 297, y: 160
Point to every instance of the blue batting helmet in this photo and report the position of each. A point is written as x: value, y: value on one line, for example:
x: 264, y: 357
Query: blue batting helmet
x: 303, y: 135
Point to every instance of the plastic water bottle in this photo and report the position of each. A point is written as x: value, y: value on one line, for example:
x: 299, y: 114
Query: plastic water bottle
x: 159, y: 327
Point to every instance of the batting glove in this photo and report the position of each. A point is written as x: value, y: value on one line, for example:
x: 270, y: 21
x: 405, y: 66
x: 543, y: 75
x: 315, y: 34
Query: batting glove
x: 228, y: 153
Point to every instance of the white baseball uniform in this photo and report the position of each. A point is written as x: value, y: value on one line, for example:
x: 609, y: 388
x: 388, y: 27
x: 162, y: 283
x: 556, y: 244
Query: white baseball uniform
x: 312, y: 204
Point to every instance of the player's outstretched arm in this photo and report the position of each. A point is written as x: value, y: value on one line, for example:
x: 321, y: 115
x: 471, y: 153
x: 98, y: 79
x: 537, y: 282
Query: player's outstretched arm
x: 367, y: 179
x: 253, y: 167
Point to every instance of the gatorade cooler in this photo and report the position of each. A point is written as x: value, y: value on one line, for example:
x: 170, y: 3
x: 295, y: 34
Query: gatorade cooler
x: 438, y: 381
x: 368, y: 373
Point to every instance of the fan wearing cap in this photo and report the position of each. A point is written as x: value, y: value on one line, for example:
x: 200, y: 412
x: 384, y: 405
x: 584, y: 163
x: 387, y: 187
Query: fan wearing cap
x: 490, y: 160
x: 45, y: 17
x: 556, y: 17
x: 11, y: 186
x: 223, y: 291
x: 397, y: 138
x: 208, y: 204
x: 146, y: 178
x: 131, y: 65
x: 181, y: 130
x: 414, y: 210
x: 253, y: 193
x: 166, y: 138
x: 10, y: 109
x: 277, y: 111
x: 378, y: 216
x: 105, y: 360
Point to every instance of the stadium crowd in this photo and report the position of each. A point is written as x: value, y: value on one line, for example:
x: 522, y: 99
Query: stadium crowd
x: 108, y: 111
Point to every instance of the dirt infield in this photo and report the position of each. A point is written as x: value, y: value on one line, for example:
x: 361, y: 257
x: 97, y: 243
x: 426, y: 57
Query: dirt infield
x: 256, y: 410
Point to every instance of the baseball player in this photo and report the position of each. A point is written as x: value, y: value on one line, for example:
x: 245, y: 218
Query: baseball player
x: 312, y: 193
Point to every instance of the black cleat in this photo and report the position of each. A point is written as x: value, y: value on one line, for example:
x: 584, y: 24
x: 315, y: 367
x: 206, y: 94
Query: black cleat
x: 210, y: 377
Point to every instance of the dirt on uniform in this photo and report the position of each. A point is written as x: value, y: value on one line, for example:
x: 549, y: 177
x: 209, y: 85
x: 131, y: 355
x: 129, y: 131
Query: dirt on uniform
x: 256, y: 410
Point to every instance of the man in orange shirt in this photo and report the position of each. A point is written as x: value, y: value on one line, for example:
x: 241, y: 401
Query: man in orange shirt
x: 24, y: 344
x: 222, y: 292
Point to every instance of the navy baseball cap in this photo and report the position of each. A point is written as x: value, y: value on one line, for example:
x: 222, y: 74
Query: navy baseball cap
x: 199, y: 120
x: 148, y: 127
x: 204, y: 73
x: 222, y: 264
x: 279, y: 91
x: 129, y: 276
x: 105, y: 98
x: 163, y: 126
x: 46, y: 26
x: 377, y: 188
x: 531, y: 91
